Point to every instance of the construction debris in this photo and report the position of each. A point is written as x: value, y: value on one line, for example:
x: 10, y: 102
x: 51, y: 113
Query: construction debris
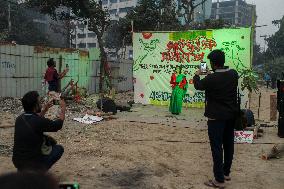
x: 89, y: 119
x: 11, y: 105
x: 5, y: 150
x: 276, y: 152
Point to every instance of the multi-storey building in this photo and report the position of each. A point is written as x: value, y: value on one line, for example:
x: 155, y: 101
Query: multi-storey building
x: 235, y: 12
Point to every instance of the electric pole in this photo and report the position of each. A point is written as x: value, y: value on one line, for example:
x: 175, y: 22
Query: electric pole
x: 9, y: 17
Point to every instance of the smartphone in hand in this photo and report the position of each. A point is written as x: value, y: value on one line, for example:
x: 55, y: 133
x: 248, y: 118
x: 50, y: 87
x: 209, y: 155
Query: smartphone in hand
x: 203, y: 67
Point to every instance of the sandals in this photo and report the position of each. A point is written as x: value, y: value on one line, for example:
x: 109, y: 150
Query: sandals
x: 215, y: 184
x: 227, y: 178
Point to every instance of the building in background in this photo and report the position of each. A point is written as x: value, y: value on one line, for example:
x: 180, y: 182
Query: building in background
x: 119, y: 8
x: 235, y: 12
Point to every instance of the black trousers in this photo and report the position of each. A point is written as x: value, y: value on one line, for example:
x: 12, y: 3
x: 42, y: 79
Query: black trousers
x: 54, y: 156
x: 267, y: 84
x: 221, y: 136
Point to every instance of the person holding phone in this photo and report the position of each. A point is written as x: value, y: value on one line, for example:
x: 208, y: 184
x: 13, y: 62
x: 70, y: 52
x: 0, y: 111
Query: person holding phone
x: 221, y: 109
x: 30, y: 150
x: 179, y: 85
x: 52, y: 76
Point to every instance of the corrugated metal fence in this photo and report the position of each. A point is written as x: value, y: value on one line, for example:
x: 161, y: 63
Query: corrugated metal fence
x: 22, y: 69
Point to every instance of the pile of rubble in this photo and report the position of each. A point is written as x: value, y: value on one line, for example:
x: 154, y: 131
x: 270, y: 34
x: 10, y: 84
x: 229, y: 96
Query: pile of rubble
x: 11, y: 105
x: 124, y: 97
x: 5, y: 150
x: 14, y: 105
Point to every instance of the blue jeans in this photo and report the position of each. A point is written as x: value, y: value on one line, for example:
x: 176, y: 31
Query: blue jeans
x: 221, y: 136
x: 53, y: 157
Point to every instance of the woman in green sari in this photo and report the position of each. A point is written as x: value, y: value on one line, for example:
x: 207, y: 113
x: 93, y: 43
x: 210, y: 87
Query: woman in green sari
x: 179, y: 86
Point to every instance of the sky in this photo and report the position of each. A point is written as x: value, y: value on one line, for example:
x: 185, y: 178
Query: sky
x: 267, y: 11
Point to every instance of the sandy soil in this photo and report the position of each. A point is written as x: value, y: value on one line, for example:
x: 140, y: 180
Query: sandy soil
x: 148, y: 148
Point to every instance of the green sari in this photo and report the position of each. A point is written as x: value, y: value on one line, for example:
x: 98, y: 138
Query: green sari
x: 177, y: 96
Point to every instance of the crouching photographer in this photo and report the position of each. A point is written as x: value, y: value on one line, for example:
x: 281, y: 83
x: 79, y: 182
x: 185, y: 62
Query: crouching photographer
x: 32, y: 149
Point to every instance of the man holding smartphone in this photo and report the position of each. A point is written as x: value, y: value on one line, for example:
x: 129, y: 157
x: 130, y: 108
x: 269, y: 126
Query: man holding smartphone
x: 53, y: 77
x: 30, y: 150
x: 221, y: 109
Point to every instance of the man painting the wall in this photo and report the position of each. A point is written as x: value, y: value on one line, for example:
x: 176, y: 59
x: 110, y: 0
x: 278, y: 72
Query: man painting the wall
x: 52, y: 77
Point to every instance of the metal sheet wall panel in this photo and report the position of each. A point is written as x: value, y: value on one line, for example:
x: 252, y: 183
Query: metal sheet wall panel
x: 22, y: 69
x: 126, y: 71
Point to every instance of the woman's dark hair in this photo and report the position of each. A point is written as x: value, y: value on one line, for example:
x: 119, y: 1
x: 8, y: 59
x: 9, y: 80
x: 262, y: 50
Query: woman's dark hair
x: 217, y: 57
x: 28, y: 180
x: 30, y: 101
x: 50, y: 62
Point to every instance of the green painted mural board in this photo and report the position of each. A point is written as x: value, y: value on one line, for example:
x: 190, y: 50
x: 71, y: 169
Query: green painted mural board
x: 157, y: 54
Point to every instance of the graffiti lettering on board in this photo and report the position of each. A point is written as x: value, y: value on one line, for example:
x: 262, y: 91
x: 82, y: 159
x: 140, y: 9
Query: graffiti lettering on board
x: 8, y: 65
x: 121, y: 79
x: 7, y: 68
x: 165, y: 96
x: 166, y: 68
x: 185, y: 51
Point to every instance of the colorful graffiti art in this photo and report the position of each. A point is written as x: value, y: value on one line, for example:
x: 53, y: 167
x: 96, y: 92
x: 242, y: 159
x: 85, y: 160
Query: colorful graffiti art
x: 157, y: 54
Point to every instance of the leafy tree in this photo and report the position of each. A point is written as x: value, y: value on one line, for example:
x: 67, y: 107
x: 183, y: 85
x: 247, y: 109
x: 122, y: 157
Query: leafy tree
x: 168, y: 20
x: 23, y: 29
x: 91, y: 10
x: 210, y: 24
x: 149, y: 15
x: 186, y: 10
x: 276, y: 41
x: 258, y: 56
x: 153, y: 15
x: 273, y: 57
x: 114, y: 36
x: 249, y: 81
x: 275, y: 66
x: 145, y: 16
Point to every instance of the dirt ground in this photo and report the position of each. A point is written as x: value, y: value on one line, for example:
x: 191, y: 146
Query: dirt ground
x: 148, y: 148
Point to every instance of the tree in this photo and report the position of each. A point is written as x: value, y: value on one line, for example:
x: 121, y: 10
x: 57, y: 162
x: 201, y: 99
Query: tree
x: 276, y: 42
x: 153, y: 15
x: 275, y: 66
x: 23, y: 29
x: 91, y: 10
x: 186, y: 10
x: 113, y: 37
x: 210, y: 24
x: 258, y: 56
x: 168, y: 20
x: 149, y: 15
x: 273, y: 56
x: 145, y: 16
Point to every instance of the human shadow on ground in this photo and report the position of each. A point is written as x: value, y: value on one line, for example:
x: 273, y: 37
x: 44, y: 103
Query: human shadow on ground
x: 135, y: 178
